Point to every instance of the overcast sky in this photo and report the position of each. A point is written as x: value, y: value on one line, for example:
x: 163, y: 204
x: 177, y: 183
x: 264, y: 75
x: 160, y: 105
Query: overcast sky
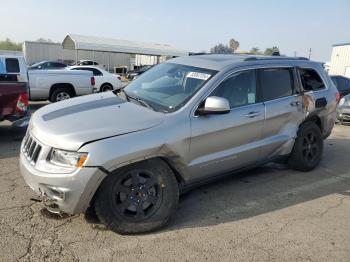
x: 292, y: 25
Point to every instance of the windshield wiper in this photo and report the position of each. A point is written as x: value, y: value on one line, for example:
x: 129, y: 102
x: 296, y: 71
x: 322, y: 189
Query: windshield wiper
x: 141, y: 101
x: 136, y: 98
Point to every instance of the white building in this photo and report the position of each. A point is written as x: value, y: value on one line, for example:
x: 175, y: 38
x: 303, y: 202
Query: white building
x: 108, y: 52
x: 340, y: 60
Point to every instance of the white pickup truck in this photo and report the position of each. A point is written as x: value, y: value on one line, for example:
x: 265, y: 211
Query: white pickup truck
x: 57, y: 85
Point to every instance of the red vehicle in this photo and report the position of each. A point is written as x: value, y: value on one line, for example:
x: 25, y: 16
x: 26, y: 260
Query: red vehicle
x: 13, y: 100
x: 13, y: 88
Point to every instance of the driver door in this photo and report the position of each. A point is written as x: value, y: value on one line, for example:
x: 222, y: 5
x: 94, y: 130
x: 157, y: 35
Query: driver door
x: 225, y: 142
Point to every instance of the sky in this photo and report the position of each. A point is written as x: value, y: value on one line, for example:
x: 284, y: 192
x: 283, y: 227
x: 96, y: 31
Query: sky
x: 292, y: 25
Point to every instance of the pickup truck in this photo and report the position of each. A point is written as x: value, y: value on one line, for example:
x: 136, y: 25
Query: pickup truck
x: 13, y: 87
x: 58, y: 85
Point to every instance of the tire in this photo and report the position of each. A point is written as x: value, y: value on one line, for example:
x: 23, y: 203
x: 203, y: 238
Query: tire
x: 308, y: 148
x: 60, y: 94
x: 138, y: 198
x: 106, y: 87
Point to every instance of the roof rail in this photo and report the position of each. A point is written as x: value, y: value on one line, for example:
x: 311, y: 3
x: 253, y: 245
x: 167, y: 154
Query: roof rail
x: 255, y: 58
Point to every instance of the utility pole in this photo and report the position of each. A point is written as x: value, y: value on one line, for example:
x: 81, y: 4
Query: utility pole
x: 310, y: 53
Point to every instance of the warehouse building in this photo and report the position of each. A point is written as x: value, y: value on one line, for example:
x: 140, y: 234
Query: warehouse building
x: 340, y: 60
x: 112, y: 53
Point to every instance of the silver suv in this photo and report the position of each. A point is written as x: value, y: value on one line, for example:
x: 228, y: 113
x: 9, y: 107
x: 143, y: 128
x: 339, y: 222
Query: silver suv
x: 127, y: 154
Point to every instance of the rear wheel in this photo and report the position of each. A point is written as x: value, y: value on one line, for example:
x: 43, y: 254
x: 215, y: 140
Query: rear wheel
x: 137, y: 198
x: 308, y: 148
x: 61, y: 94
x: 106, y: 87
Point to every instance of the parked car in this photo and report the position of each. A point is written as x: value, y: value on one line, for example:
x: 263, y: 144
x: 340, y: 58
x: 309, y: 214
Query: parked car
x: 128, y: 154
x: 343, y: 109
x: 58, y: 85
x: 13, y: 87
x: 135, y: 73
x: 342, y: 83
x: 104, y: 81
x: 44, y: 65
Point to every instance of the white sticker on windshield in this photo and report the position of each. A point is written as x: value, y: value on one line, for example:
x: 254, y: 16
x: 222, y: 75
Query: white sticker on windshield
x: 251, y: 98
x: 198, y: 75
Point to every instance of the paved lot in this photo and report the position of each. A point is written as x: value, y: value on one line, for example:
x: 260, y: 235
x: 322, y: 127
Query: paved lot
x: 269, y: 214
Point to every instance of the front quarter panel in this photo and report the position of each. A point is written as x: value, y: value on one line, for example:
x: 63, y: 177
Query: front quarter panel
x: 169, y: 141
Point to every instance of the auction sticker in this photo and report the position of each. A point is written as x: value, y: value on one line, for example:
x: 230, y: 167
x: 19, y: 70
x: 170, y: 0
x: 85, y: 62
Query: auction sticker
x: 198, y: 75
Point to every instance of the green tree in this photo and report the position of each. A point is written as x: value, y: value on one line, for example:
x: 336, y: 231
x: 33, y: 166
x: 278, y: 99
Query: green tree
x: 271, y: 50
x: 255, y: 51
x: 9, y: 45
x: 233, y: 44
x: 221, y: 49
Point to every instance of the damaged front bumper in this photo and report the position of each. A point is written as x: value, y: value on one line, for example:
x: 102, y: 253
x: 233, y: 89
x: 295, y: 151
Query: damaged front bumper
x: 63, y: 193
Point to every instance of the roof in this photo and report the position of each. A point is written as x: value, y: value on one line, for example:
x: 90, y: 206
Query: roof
x: 219, y: 61
x: 82, y: 42
x: 341, y: 44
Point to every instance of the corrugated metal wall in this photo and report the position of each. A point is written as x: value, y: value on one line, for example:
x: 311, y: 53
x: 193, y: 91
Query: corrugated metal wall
x: 340, y: 60
x: 35, y: 52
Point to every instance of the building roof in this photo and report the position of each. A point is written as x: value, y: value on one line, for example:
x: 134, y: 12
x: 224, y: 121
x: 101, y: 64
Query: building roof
x: 81, y: 42
x: 341, y: 44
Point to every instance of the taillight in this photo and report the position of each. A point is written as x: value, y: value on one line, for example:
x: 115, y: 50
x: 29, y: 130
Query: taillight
x: 92, y: 81
x: 22, y: 103
x: 337, y: 96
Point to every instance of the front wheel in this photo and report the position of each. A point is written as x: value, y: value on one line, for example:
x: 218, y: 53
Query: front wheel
x: 308, y: 148
x: 137, y: 198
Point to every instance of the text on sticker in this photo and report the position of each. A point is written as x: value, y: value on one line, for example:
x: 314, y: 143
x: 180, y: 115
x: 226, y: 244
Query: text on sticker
x: 198, y: 75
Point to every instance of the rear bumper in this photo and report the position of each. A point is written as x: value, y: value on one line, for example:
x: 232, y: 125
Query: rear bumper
x: 70, y: 193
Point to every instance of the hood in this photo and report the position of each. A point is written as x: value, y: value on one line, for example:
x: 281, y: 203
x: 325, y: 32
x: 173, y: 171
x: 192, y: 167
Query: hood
x: 70, y: 124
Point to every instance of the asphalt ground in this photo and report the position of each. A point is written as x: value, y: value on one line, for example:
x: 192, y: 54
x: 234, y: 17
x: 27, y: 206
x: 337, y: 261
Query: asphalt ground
x: 268, y: 214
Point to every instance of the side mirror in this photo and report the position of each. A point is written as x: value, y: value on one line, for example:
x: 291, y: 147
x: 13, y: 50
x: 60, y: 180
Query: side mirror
x: 214, y: 105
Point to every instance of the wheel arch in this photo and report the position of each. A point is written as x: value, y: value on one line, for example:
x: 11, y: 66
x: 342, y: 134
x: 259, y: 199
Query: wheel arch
x: 104, y: 84
x: 62, y: 85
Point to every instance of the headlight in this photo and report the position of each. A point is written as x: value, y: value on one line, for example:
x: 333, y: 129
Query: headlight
x: 342, y: 101
x: 67, y: 158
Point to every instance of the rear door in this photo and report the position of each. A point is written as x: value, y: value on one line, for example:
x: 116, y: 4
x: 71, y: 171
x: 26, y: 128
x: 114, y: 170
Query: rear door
x: 220, y: 143
x: 283, y: 110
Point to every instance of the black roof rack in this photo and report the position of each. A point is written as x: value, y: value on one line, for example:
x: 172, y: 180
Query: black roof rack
x: 254, y: 58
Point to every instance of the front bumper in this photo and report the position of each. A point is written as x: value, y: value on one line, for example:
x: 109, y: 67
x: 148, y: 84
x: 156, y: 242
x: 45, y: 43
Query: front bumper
x: 70, y: 193
x: 343, y: 113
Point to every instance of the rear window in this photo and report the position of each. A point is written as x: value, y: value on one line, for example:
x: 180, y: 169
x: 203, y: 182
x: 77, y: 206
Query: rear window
x: 8, y: 78
x: 311, y: 80
x: 276, y: 83
x: 12, y: 65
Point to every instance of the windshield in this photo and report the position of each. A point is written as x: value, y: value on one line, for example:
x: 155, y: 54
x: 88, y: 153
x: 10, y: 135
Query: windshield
x: 167, y: 87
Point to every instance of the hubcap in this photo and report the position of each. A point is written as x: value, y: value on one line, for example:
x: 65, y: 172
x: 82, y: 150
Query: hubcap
x: 137, y: 195
x: 310, y: 147
x: 62, y: 96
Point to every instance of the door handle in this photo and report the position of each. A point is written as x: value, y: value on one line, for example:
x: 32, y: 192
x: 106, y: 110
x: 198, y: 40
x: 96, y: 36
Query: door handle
x: 252, y: 114
x: 295, y: 103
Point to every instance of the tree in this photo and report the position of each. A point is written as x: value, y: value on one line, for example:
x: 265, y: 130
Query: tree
x: 44, y: 40
x: 233, y: 44
x: 271, y: 50
x: 9, y: 45
x: 255, y: 51
x: 221, y: 49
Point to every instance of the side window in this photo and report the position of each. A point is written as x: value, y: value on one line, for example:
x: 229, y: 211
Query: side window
x: 239, y: 89
x: 12, y: 65
x: 276, y: 82
x: 96, y: 72
x: 58, y: 65
x: 311, y: 80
